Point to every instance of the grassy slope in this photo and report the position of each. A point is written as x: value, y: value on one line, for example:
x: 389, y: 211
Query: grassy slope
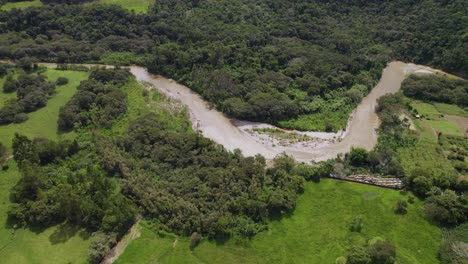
x: 317, y: 232
x: 135, y: 5
x: 20, y: 5
x: 43, y: 122
x: 59, y: 244
x: 437, y: 122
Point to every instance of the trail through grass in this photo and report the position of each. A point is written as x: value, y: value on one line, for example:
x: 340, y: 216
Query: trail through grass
x: 317, y: 232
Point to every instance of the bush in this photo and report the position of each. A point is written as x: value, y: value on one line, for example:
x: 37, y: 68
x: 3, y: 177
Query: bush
x: 3, y: 153
x: 10, y: 85
x: 20, y: 118
x: 195, y: 239
x: 101, y: 245
x: 358, y: 255
x: 400, y: 207
x: 356, y: 224
x: 61, y: 81
x: 382, y: 252
x: 357, y: 156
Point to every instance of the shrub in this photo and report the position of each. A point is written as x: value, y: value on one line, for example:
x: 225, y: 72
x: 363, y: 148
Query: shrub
x: 382, y: 252
x: 61, y: 81
x: 400, y: 207
x: 356, y: 224
x: 357, y: 156
x: 101, y: 245
x: 10, y: 85
x: 20, y: 118
x: 195, y: 239
x: 358, y: 255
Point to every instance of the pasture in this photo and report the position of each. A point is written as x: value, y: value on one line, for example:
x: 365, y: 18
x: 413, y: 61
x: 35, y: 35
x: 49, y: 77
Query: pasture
x: 318, y: 231
x: 43, y: 122
x: 58, y: 244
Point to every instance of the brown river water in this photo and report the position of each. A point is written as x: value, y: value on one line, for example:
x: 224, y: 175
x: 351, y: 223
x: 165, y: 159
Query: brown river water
x: 360, y: 132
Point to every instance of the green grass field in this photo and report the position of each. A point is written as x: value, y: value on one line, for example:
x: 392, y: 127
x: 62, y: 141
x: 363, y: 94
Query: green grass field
x: 433, y: 116
x: 59, y: 244
x: 449, y: 109
x: 43, y: 122
x: 139, y: 6
x: 319, y: 121
x: 317, y: 232
x: 426, y: 109
x: 20, y: 5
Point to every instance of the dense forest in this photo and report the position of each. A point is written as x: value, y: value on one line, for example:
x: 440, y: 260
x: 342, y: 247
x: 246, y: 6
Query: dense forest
x: 279, y: 62
x: 437, y: 89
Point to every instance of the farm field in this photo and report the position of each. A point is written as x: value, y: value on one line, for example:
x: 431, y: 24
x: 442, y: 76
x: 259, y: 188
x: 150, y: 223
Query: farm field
x: 435, y: 116
x: 316, y: 232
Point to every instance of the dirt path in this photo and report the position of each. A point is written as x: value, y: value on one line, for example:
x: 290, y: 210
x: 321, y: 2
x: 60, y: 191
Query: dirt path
x: 361, y: 129
x: 132, y: 234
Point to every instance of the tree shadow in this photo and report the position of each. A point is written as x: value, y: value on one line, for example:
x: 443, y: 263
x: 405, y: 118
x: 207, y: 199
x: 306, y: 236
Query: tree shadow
x: 63, y: 233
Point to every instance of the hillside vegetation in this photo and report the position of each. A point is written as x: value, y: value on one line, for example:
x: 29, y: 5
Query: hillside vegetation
x: 287, y: 62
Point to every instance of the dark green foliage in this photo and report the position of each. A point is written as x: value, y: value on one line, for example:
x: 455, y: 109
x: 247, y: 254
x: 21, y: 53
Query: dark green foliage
x: 358, y: 255
x: 58, y: 183
x: 437, y: 89
x: 382, y: 252
x: 447, y: 208
x: 251, y: 55
x: 357, y: 156
x: 379, y: 252
x: 9, y: 112
x: 421, y: 182
x: 61, y: 81
x: 356, y: 224
x: 20, y: 118
x: 113, y: 76
x: 9, y: 85
x: 190, y: 184
x: 452, y: 250
x: 98, y: 102
x: 32, y: 93
x: 3, y: 153
x: 24, y: 150
x: 101, y: 245
x: 4, y: 67
x: 401, y: 207
x: 195, y: 239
